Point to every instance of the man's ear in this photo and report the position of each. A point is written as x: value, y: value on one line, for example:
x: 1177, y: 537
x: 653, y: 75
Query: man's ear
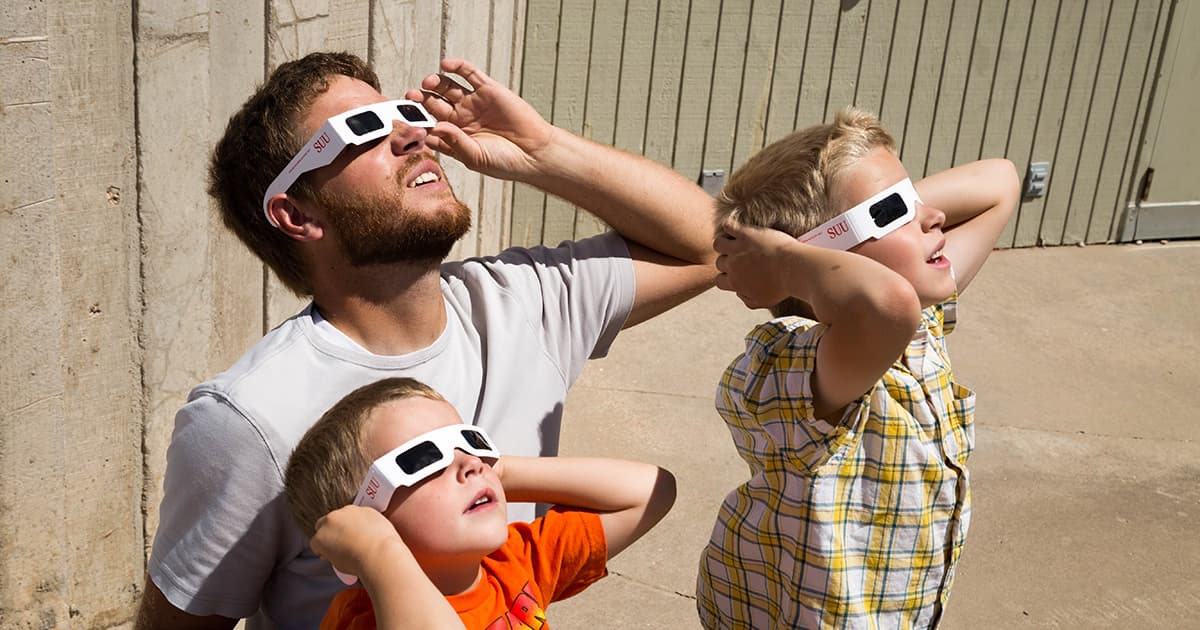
x: 294, y: 219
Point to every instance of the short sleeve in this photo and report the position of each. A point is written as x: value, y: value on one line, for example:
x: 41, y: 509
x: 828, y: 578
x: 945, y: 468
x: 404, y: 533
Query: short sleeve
x: 220, y: 517
x: 568, y: 551
x: 350, y: 610
x: 578, y: 295
x: 766, y: 399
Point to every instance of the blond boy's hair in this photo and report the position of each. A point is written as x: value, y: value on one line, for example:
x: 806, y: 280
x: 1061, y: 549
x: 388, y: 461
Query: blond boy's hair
x: 329, y: 463
x: 786, y: 186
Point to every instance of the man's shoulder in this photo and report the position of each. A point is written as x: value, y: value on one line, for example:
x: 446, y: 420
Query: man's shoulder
x: 276, y: 389
x: 531, y: 279
x: 608, y: 245
x: 261, y: 360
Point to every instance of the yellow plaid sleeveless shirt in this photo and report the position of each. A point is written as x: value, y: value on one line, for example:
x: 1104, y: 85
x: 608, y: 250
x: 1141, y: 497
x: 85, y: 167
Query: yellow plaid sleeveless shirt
x: 853, y: 525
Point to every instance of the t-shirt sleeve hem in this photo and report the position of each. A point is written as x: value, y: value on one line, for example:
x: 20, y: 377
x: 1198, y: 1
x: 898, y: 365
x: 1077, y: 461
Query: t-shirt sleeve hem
x: 192, y: 604
x: 626, y: 292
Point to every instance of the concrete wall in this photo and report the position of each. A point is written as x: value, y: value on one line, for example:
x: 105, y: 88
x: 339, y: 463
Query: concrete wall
x: 71, y: 528
x: 121, y: 288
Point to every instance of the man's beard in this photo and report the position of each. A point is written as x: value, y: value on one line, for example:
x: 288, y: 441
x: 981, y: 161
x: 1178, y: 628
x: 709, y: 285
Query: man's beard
x: 376, y: 229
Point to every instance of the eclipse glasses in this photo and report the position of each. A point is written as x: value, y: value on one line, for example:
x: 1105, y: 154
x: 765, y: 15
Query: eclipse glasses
x: 357, y: 126
x: 878, y: 216
x: 417, y: 460
x: 420, y: 458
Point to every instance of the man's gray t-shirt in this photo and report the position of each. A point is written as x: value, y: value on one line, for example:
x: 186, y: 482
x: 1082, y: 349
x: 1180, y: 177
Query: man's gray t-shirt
x: 519, y: 329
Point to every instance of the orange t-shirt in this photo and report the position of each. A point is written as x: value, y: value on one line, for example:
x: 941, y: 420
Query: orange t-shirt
x: 552, y: 558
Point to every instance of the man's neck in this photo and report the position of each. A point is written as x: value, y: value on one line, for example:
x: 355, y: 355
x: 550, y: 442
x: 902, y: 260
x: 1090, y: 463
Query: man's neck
x: 387, y: 309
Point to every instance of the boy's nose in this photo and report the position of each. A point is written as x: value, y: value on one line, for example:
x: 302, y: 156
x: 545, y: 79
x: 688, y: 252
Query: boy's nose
x: 930, y: 217
x: 467, y: 464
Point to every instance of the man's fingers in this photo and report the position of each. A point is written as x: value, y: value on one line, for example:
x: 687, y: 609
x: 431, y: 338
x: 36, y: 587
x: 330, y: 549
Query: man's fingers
x: 437, y: 144
x: 475, y: 77
x: 724, y: 283
x: 453, y: 141
x: 448, y: 88
x: 434, y: 94
x: 439, y: 107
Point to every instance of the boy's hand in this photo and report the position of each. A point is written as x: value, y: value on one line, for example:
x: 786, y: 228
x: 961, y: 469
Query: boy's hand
x: 498, y: 468
x: 347, y: 537
x: 362, y: 542
x: 978, y: 199
x: 750, y: 263
x: 487, y: 127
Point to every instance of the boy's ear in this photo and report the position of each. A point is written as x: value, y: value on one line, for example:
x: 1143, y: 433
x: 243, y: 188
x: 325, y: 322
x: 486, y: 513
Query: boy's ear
x: 294, y: 219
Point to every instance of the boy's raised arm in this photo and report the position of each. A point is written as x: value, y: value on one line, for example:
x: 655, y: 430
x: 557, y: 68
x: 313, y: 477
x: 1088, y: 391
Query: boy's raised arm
x: 978, y: 199
x: 630, y: 497
x: 362, y: 542
x: 870, y: 311
x: 664, y: 217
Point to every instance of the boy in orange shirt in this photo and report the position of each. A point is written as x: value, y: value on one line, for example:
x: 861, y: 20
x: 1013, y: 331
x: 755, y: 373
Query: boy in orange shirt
x: 436, y: 494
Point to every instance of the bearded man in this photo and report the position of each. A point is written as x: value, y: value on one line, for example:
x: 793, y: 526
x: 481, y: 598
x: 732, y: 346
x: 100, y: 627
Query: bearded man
x: 361, y: 218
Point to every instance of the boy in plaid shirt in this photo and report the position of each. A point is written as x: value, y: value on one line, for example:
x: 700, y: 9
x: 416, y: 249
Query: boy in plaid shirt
x: 844, y: 406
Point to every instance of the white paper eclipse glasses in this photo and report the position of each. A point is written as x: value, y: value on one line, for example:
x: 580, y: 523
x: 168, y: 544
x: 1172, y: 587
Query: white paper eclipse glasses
x: 416, y: 460
x: 356, y: 126
x: 878, y: 216
x: 420, y: 458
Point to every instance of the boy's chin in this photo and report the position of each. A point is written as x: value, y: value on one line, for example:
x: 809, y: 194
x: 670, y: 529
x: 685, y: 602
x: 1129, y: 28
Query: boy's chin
x: 490, y: 538
x: 932, y: 295
x: 931, y: 298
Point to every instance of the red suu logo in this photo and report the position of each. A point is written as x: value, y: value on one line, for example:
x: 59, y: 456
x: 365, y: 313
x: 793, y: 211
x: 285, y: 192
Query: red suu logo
x: 841, y: 228
x: 372, y: 487
x: 321, y: 143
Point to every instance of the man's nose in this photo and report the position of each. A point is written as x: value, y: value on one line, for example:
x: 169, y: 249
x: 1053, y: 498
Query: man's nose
x: 406, y: 139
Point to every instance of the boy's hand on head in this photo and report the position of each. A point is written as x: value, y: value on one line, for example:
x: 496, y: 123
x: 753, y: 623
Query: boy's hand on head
x: 750, y: 263
x: 498, y: 468
x: 348, y: 536
x: 487, y: 126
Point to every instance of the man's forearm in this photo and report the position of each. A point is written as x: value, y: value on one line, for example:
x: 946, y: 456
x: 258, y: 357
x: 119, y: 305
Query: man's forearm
x: 642, y: 200
x: 155, y: 611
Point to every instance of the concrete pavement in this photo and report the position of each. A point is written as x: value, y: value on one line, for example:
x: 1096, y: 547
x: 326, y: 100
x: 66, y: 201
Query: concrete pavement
x: 1086, y: 473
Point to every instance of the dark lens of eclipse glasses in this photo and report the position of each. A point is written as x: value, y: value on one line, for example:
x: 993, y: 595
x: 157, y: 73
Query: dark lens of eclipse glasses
x: 418, y: 457
x: 475, y: 439
x: 888, y: 209
x: 411, y: 113
x: 364, y: 123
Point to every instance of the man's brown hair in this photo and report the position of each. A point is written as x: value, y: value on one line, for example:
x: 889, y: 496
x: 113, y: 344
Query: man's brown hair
x: 786, y: 185
x: 258, y: 143
x: 331, y: 460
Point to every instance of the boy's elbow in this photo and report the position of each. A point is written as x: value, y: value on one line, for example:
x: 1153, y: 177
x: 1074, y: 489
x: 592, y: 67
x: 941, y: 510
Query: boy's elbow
x: 662, y: 496
x: 896, y: 302
x: 1009, y: 184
